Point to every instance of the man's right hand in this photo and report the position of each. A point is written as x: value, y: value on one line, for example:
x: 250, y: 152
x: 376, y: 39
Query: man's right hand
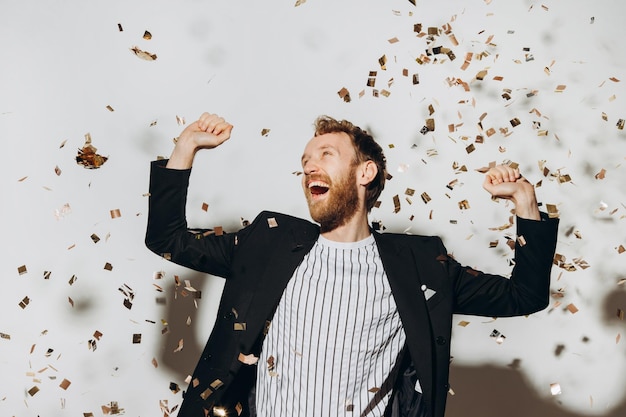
x: 208, y: 132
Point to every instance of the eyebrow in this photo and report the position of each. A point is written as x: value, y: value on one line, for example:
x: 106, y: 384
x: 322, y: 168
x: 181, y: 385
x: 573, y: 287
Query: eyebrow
x: 323, y: 147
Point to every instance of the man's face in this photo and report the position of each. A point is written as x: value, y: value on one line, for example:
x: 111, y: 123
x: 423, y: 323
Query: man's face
x: 329, y: 179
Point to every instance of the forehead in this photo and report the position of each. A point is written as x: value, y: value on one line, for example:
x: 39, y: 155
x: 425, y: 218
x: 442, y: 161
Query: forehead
x: 339, y: 141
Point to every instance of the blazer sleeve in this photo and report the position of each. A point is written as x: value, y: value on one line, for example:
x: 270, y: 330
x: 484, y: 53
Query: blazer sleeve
x: 167, y: 233
x: 528, y: 288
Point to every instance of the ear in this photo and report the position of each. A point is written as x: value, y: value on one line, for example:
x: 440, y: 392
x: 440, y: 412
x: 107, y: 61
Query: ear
x: 366, y: 172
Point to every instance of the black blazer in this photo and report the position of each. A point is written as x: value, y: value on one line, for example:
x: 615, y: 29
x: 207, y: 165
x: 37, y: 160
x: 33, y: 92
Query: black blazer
x: 258, y: 261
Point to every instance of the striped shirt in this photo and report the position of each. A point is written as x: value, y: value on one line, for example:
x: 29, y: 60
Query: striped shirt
x: 334, y: 339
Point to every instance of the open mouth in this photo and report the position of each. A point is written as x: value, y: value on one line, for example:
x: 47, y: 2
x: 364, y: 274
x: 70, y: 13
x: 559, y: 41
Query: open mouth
x: 318, y: 187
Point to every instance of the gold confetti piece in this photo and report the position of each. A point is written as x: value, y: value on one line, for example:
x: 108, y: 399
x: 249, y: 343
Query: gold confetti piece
x: 119, y: 27
x: 265, y: 132
x: 553, y: 211
x: 147, y: 35
x: 464, y: 205
x: 180, y: 346
x: 499, y: 337
x: 25, y: 301
x: 60, y: 213
x: 521, y: 240
x: 396, y: 203
x: 272, y: 222
x: 299, y: 2
x: 65, y: 384
x: 560, y: 88
x: 393, y: 40
x: 87, y: 156
x: 555, y: 389
x: 481, y: 75
x: 371, y: 79
x: 425, y: 197
x: 109, y: 108
x: 108, y: 266
x: 620, y: 124
x: 205, y: 206
x: 143, y: 54
x: 382, y: 61
x: 572, y: 308
x: 344, y: 94
x: 136, y: 338
x: 620, y: 249
x: 34, y: 390
x: 248, y: 359
x: 464, y: 323
x: 21, y: 270
x: 115, y: 213
x: 239, y: 326
x: 222, y: 411
x: 373, y: 390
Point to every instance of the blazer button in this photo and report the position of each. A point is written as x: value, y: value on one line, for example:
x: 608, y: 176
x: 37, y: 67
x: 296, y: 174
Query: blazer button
x: 441, y: 340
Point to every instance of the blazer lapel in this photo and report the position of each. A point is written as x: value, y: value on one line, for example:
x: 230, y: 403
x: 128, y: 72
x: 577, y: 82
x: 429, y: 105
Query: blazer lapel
x: 406, y: 286
x: 283, y: 261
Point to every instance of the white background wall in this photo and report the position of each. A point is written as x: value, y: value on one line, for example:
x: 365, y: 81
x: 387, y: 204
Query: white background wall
x: 272, y: 65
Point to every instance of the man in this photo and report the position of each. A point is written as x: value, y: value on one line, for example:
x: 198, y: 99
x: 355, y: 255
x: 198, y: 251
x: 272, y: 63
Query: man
x: 334, y: 320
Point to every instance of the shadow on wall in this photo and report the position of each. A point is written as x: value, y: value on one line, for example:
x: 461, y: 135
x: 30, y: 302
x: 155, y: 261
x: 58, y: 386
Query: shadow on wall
x: 486, y: 391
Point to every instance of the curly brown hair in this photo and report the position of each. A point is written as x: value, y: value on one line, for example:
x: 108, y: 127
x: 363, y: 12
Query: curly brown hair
x: 366, y: 150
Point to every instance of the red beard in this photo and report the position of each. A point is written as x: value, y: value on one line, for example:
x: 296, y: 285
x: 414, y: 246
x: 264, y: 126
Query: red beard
x: 340, y: 204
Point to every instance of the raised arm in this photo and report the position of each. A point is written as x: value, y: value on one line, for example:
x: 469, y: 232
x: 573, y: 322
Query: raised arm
x: 208, y: 132
x: 167, y: 233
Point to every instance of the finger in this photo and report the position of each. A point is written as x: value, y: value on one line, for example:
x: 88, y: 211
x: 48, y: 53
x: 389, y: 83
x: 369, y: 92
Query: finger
x: 214, y: 123
x: 205, y: 121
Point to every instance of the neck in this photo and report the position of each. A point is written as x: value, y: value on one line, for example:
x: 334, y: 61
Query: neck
x: 353, y: 230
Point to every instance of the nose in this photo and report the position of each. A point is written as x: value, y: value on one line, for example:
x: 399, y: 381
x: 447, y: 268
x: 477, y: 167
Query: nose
x: 310, y: 167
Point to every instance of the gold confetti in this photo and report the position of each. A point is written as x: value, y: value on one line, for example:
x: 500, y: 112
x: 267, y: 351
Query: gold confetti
x: 65, y: 384
x: 109, y: 108
x: 147, y: 35
x: 143, y: 54
x: 115, y: 213
x: 382, y: 61
x: 344, y: 94
x: 265, y: 132
x: 87, y: 156
x: 180, y: 346
x: 248, y: 359
x: 555, y: 389
x: 205, y: 206
x: 601, y: 175
x: 25, y: 301
x: 108, y: 266
x: 299, y: 2
x: 464, y: 323
x: 21, y: 270
x: 396, y: 203
x: 572, y: 308
x: 272, y: 222
x: 136, y: 338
